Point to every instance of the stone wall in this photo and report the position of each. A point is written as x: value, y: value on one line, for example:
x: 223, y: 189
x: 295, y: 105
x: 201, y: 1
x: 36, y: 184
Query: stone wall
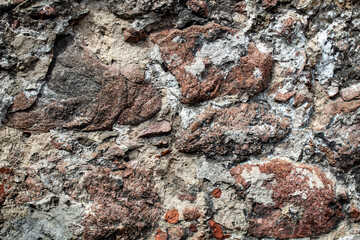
x: 180, y: 119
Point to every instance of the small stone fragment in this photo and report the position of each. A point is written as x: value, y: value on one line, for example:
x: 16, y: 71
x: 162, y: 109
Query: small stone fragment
x: 191, y: 214
x: 156, y: 129
x: 350, y: 93
x: 176, y: 233
x: 187, y: 197
x: 198, y: 6
x: 216, y: 230
x: 172, y: 216
x: 133, y: 35
x: 160, y: 235
x: 193, y: 227
x: 114, y: 151
x: 216, y: 193
x: 354, y: 213
x: 283, y: 97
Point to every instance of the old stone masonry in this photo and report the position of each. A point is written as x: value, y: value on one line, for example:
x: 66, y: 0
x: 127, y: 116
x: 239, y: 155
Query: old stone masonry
x: 179, y: 119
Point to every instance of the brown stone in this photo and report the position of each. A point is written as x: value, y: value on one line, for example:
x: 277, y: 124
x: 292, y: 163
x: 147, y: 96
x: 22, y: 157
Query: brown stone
x: 354, y: 213
x: 192, y: 227
x: 132, y: 73
x: 283, y: 97
x: 269, y: 3
x: 81, y: 93
x: 172, y: 216
x: 114, y: 151
x: 242, y: 130
x: 160, y: 235
x: 301, y: 99
x: 21, y: 102
x: 156, y: 129
x: 199, y: 7
x: 191, y: 214
x: 350, y: 93
x: 5, y: 178
x: 120, y: 198
x: 216, y: 193
x: 252, y: 73
x: 240, y: 7
x: 217, y: 231
x: 187, y: 197
x: 290, y: 200
x: 132, y: 35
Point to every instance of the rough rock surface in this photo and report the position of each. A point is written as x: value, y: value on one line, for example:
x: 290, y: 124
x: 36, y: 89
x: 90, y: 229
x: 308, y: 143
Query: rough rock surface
x: 212, y: 60
x: 174, y: 120
x: 290, y: 200
x: 242, y: 130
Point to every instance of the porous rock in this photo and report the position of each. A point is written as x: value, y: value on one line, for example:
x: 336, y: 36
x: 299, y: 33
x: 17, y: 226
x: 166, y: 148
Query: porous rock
x: 290, y: 200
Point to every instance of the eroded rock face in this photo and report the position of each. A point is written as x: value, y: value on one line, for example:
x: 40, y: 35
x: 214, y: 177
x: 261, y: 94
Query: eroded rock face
x: 108, y: 202
x: 129, y: 119
x: 241, y: 130
x: 290, y: 200
x: 81, y: 93
x: 124, y: 203
x: 338, y: 133
x: 213, y: 60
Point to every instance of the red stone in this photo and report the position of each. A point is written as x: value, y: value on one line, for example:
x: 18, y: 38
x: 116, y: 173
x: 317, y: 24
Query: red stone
x: 301, y: 99
x: 166, y: 152
x: 172, y: 216
x: 191, y: 214
x: 160, y: 235
x: 114, y: 151
x: 21, y: 102
x: 5, y: 177
x: 297, y: 200
x: 216, y: 193
x: 269, y: 3
x: 211, y: 82
x: 354, y: 213
x: 155, y: 129
x: 193, y: 227
x: 132, y: 35
x: 119, y: 198
x: 283, y: 97
x: 240, y: 7
x: 216, y: 230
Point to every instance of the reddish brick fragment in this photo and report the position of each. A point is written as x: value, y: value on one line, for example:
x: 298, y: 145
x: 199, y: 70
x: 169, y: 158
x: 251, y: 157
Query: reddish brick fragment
x: 160, y: 235
x: 172, y: 216
x: 283, y: 97
x: 216, y: 193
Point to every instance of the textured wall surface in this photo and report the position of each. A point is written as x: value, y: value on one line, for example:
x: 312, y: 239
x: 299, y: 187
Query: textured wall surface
x: 180, y: 119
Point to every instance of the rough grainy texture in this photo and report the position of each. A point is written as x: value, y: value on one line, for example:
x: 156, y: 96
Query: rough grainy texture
x: 180, y: 119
